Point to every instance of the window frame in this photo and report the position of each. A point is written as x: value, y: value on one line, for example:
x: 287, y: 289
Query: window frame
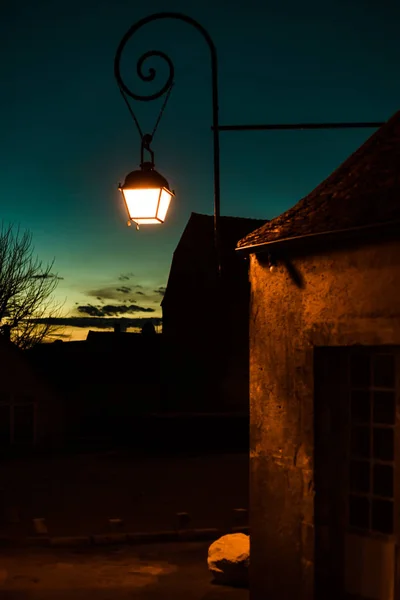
x: 372, y: 425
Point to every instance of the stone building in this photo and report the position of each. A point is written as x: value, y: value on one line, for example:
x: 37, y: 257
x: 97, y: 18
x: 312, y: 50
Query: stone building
x: 205, y: 320
x: 325, y: 385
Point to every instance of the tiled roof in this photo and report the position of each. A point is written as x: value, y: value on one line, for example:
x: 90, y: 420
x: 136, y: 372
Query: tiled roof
x: 363, y: 191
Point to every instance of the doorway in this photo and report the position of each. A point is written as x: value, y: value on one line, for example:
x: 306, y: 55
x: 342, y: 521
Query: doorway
x: 357, y: 456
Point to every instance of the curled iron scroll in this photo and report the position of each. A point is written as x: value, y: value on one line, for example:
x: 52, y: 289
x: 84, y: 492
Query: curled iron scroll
x: 147, y: 77
x: 151, y: 74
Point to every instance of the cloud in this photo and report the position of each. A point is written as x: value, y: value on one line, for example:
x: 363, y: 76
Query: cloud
x: 125, y: 276
x: 160, y: 290
x: 93, y: 311
x: 107, y: 293
x: 108, y: 309
x: 98, y: 322
x: 47, y: 276
x: 123, y: 294
x: 110, y: 293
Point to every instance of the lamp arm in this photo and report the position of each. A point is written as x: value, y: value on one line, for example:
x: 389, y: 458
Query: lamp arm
x: 151, y: 75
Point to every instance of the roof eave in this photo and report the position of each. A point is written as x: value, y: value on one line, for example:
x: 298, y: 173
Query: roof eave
x: 303, y: 239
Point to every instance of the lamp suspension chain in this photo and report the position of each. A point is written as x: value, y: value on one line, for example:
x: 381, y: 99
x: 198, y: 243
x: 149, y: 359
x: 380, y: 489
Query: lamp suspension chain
x: 131, y: 112
x: 162, y: 109
x: 158, y: 118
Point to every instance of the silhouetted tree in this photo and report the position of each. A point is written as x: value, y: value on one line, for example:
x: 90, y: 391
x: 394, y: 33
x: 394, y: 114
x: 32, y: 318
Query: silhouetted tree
x: 26, y: 288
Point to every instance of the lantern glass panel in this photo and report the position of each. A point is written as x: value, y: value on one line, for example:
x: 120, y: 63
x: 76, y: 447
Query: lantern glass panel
x: 142, y: 203
x: 165, y: 199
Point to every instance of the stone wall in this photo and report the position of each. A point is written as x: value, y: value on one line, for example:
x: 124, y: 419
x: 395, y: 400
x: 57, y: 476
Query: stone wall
x: 341, y: 297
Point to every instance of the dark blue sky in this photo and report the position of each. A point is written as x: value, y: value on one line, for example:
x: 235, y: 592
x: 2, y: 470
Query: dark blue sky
x: 67, y: 138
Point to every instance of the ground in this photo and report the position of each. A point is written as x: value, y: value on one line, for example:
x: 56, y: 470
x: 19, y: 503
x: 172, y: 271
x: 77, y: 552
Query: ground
x: 77, y: 495
x: 176, y: 571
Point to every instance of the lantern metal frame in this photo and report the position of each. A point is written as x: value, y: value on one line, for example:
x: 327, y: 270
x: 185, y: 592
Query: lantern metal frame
x: 146, y: 178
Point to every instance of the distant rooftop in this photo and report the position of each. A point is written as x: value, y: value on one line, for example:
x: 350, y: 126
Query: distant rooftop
x: 193, y: 263
x: 363, y: 191
x: 200, y: 230
x: 94, y: 336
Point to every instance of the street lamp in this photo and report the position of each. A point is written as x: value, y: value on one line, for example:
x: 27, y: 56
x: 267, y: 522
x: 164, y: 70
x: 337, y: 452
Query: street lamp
x: 146, y: 193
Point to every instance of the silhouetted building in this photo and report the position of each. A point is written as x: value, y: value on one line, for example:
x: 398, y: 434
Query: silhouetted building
x: 325, y: 385
x: 31, y: 412
x: 205, y: 321
x: 106, y: 381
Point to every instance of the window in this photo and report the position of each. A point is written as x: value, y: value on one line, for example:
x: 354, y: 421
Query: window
x: 371, y: 446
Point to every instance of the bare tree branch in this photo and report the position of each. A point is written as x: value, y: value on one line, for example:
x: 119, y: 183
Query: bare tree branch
x: 26, y: 289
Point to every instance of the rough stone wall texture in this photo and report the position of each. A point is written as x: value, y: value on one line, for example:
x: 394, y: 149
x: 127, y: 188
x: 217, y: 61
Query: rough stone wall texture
x: 348, y: 296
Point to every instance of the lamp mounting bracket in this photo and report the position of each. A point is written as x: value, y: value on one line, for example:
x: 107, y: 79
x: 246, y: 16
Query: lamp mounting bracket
x: 147, y: 138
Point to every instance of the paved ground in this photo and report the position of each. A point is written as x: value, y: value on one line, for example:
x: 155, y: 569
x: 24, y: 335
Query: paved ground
x: 77, y: 495
x: 175, y: 571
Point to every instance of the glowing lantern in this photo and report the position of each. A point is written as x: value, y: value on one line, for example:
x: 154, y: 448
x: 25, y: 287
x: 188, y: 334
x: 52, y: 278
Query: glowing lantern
x: 147, y: 195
